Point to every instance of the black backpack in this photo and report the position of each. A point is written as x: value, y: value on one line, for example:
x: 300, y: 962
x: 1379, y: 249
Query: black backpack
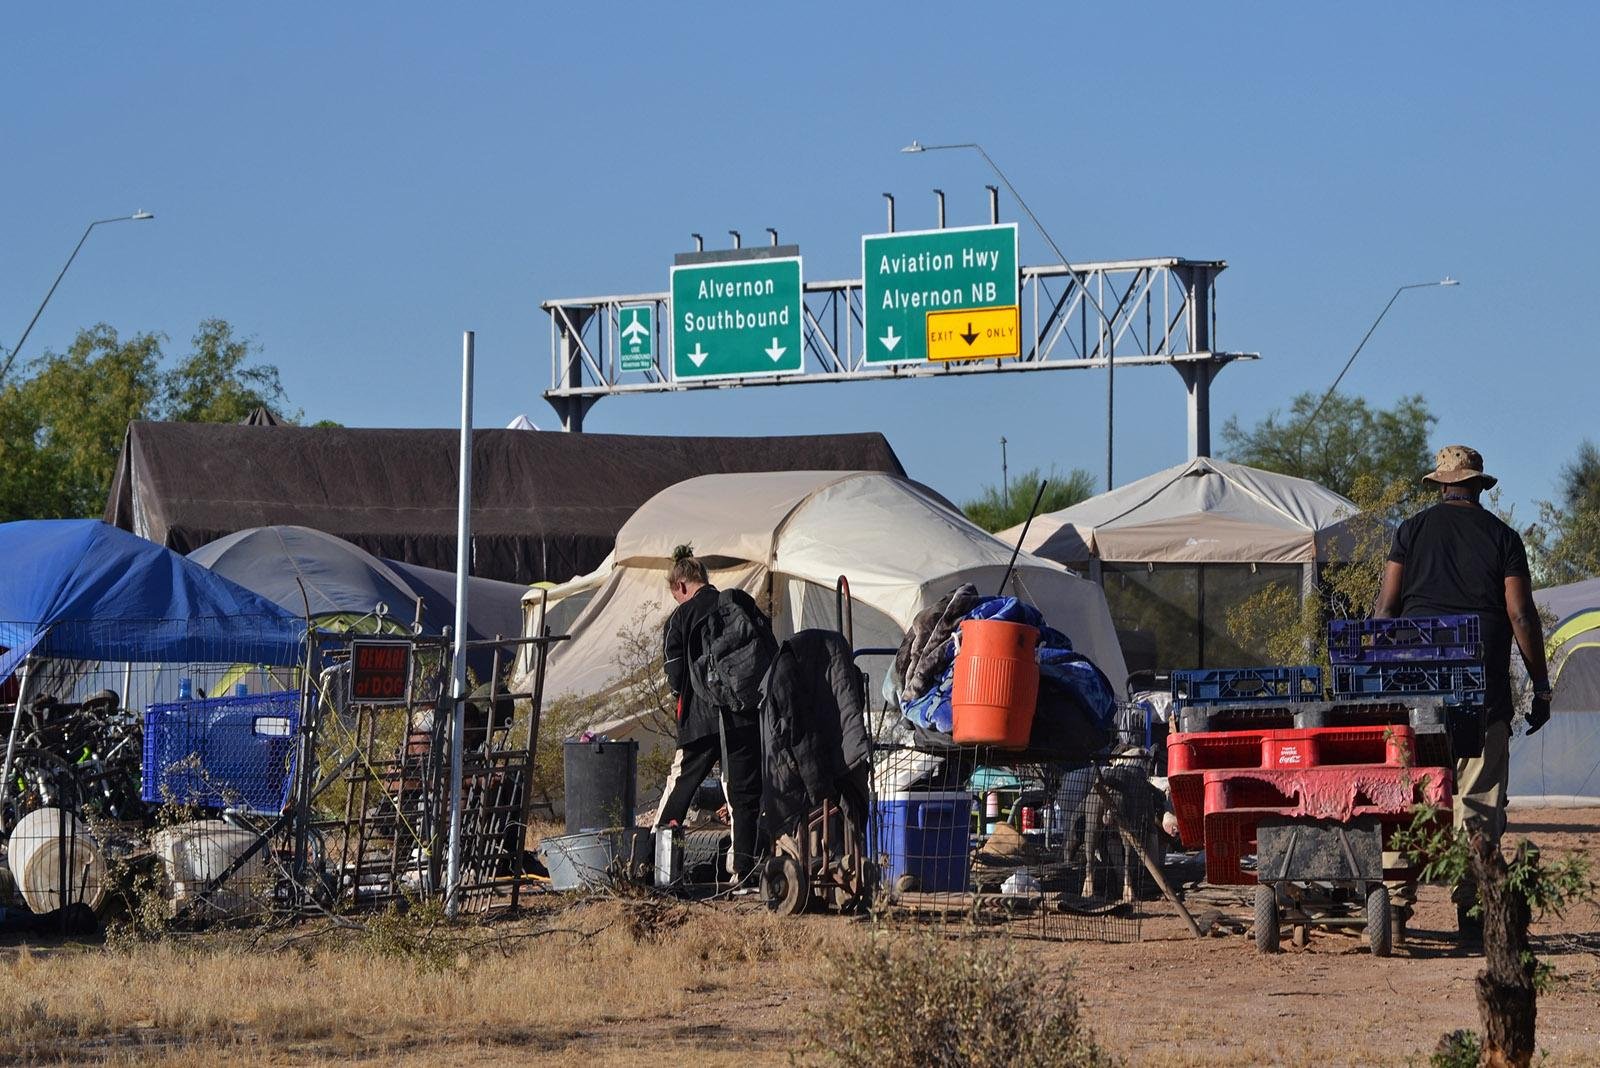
x: 736, y: 647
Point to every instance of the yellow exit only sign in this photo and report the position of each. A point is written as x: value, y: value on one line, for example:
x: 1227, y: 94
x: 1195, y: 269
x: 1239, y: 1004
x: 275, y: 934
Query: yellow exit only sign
x: 977, y: 334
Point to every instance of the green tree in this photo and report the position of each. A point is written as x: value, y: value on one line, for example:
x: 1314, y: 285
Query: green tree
x: 67, y: 416
x: 1338, y: 445
x: 62, y: 423
x: 1565, y: 544
x: 217, y: 383
x: 1000, y: 508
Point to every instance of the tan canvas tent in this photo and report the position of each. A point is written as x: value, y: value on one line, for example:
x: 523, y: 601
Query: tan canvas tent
x: 1174, y: 551
x: 786, y: 537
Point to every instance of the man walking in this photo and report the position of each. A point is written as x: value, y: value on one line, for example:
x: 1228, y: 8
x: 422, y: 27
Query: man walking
x: 1457, y: 558
x: 708, y: 732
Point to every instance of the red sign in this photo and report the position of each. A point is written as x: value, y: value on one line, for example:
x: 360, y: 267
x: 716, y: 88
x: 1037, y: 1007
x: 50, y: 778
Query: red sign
x: 380, y: 672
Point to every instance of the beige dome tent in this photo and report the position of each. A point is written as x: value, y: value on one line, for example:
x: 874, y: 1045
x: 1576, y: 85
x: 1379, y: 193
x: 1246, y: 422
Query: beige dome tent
x: 1174, y: 551
x: 785, y: 538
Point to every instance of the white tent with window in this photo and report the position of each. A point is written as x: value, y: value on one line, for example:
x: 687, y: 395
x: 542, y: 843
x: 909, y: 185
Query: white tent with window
x: 1175, y: 550
x: 786, y: 537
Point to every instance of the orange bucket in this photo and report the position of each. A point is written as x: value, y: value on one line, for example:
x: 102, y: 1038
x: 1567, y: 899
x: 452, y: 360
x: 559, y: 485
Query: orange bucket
x: 996, y: 685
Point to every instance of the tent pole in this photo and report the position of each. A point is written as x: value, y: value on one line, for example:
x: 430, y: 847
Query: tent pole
x: 16, y: 720
x: 458, y: 685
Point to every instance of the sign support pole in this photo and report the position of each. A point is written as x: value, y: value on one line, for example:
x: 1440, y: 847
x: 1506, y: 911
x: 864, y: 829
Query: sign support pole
x: 458, y: 683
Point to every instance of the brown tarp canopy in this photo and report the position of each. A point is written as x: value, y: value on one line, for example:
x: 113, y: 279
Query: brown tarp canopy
x: 545, y: 506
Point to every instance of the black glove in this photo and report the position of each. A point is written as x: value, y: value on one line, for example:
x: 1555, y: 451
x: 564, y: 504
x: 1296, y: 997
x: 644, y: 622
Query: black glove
x: 1538, y: 714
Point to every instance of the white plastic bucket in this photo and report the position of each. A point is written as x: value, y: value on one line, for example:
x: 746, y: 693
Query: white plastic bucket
x: 197, y: 852
x: 35, y: 854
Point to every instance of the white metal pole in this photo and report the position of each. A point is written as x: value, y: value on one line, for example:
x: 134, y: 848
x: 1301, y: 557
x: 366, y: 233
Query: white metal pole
x: 16, y: 720
x: 458, y: 685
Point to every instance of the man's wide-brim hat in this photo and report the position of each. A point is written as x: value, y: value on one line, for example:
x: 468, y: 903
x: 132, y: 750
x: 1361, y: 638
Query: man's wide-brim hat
x: 1458, y: 463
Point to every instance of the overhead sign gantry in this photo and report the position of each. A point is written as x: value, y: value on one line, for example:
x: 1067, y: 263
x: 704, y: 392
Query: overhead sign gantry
x: 937, y: 303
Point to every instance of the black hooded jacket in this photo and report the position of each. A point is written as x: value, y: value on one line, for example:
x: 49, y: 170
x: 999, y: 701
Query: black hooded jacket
x: 697, y: 716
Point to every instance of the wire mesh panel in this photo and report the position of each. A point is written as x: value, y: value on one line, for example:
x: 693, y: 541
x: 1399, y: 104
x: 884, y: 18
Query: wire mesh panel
x: 985, y: 838
x: 95, y: 832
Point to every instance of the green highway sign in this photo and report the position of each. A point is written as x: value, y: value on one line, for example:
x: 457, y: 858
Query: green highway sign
x: 905, y: 276
x: 736, y: 318
x: 636, y: 336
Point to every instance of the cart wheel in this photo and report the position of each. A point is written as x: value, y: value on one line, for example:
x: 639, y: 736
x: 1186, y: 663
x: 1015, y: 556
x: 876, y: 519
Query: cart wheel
x: 1380, y: 933
x: 785, y: 886
x: 1266, y: 919
x: 1300, y: 934
x: 906, y: 884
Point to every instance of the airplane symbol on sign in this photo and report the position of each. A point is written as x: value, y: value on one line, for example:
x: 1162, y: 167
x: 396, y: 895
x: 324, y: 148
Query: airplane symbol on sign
x: 635, y: 332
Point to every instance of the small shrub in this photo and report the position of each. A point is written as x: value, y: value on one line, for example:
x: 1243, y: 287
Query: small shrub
x: 921, y: 1003
x: 1458, y: 1049
x: 413, y: 931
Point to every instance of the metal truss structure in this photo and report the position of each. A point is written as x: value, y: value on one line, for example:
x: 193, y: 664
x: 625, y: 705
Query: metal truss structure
x: 1155, y: 311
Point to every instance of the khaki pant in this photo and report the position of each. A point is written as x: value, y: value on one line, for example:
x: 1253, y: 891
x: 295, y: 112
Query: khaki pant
x: 1480, y: 805
x: 1480, y: 797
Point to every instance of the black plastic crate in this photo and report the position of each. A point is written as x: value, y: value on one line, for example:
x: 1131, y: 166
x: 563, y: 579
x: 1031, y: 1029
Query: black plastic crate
x: 1372, y: 680
x: 1405, y: 640
x: 1206, y: 686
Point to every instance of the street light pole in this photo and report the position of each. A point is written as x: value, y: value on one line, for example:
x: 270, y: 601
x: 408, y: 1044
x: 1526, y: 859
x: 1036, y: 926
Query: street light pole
x: 1077, y: 277
x: 136, y: 216
x: 1005, y: 476
x: 1445, y: 281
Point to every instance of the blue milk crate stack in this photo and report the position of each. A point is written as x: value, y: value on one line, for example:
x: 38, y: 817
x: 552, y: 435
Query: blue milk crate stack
x: 1265, y: 685
x: 223, y: 752
x: 1430, y: 655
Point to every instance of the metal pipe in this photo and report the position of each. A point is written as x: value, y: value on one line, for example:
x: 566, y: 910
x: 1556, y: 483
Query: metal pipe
x: 773, y: 231
x: 16, y: 720
x: 994, y: 204
x: 458, y: 682
x: 699, y: 243
x: 738, y: 241
x: 890, y: 198
x: 940, y: 194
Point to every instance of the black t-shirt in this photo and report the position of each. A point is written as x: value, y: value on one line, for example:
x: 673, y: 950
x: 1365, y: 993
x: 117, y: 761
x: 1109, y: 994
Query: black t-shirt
x: 1457, y: 558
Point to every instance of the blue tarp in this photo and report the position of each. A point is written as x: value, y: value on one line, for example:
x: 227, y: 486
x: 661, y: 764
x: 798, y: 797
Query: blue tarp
x: 79, y: 589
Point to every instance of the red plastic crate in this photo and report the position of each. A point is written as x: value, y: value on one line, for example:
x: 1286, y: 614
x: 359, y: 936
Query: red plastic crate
x: 1237, y: 800
x: 1190, y: 756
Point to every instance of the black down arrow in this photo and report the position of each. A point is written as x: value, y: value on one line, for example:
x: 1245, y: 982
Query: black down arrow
x: 969, y: 337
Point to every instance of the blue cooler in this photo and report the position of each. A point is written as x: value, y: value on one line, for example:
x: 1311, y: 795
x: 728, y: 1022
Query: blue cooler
x: 926, y: 836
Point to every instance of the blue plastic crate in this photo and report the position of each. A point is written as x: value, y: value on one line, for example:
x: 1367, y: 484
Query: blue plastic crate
x: 1212, y: 686
x: 1366, y: 680
x: 225, y: 752
x: 923, y: 840
x: 1435, y: 639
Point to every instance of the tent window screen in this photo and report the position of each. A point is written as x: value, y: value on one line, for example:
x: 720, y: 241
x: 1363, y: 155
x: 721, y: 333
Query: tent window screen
x: 1184, y: 608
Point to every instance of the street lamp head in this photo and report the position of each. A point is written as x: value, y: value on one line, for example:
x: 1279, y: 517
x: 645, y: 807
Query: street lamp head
x: 914, y: 146
x: 142, y: 214
x: 1448, y: 281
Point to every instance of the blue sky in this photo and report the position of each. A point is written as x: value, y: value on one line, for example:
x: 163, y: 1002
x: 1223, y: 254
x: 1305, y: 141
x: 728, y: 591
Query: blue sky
x: 353, y: 185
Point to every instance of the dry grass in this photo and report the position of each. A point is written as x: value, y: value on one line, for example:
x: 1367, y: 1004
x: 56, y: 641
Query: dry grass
x: 357, y: 998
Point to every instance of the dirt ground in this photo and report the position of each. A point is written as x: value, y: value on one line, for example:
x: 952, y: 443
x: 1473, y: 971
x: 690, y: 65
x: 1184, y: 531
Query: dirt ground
x: 720, y: 987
